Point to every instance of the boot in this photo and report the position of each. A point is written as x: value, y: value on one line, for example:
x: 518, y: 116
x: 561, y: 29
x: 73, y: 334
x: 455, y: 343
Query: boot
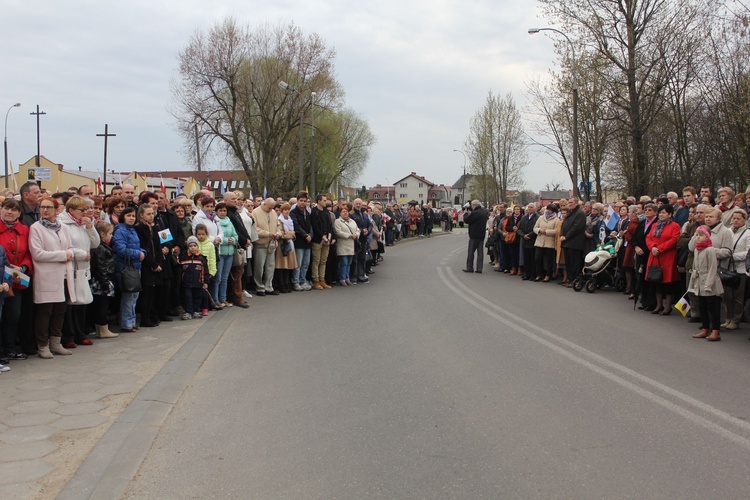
x: 317, y: 285
x: 43, y: 352
x: 325, y: 285
x: 513, y: 271
x: 102, y: 332
x: 714, y: 337
x: 702, y: 335
x: 56, y: 348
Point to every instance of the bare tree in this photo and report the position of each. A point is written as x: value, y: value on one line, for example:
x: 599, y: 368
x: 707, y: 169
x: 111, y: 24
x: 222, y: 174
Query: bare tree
x: 496, y: 147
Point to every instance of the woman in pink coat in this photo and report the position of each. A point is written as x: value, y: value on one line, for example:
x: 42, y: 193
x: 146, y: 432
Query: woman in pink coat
x: 51, y: 253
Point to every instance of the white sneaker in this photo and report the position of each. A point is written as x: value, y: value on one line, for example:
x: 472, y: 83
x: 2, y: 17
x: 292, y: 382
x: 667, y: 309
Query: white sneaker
x: 246, y: 294
x: 307, y: 286
x: 298, y: 288
x: 4, y: 368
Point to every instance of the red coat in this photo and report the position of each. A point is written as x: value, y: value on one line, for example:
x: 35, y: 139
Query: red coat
x: 667, y: 245
x: 16, y: 244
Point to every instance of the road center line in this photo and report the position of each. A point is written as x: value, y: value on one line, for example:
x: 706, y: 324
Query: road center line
x: 523, y: 326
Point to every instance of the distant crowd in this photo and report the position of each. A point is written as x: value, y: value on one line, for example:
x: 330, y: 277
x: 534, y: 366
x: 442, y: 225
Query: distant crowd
x: 689, y: 250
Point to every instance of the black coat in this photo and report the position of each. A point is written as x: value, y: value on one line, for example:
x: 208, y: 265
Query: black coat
x: 149, y: 238
x: 477, y: 221
x: 239, y: 226
x: 526, y: 226
x: 573, y: 228
x: 321, y: 224
x: 302, y: 227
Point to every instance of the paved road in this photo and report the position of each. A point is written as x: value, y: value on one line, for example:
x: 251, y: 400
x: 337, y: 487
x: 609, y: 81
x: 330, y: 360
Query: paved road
x: 432, y: 383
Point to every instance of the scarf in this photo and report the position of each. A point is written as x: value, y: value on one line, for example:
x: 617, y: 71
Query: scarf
x: 548, y: 216
x: 10, y: 225
x: 210, y: 216
x: 660, y: 227
x: 287, y: 223
x: 705, y: 243
x: 77, y: 221
x: 593, y: 221
x: 52, y: 226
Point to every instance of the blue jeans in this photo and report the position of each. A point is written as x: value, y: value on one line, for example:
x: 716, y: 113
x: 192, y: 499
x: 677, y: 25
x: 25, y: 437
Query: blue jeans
x: 299, y: 275
x: 127, y: 309
x: 345, y: 261
x: 223, y: 268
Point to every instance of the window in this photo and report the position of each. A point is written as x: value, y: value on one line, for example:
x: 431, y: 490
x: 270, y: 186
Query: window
x: 376, y: 195
x: 421, y: 185
x: 403, y: 185
x: 421, y: 195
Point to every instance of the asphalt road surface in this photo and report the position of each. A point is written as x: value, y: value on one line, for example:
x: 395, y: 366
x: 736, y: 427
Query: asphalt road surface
x: 433, y: 383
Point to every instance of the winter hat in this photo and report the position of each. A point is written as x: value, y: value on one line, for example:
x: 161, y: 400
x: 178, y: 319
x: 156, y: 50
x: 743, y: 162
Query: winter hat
x: 192, y: 239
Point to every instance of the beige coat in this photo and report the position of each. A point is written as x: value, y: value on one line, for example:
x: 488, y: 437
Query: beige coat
x: 266, y: 224
x: 546, y: 240
x: 343, y: 230
x: 51, y: 266
x: 704, y: 281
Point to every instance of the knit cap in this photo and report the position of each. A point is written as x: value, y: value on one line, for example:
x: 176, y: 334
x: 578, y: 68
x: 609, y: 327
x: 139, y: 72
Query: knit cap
x: 192, y: 239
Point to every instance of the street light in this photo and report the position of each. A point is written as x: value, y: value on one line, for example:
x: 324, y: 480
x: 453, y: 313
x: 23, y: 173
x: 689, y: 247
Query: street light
x: 16, y: 105
x: 463, y: 185
x: 533, y: 31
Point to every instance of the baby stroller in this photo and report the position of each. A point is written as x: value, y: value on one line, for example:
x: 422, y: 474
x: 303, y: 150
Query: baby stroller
x: 600, y: 268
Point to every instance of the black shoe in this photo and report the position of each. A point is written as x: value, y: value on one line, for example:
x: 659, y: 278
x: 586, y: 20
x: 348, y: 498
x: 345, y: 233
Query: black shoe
x: 260, y: 293
x: 173, y: 312
x: 478, y: 271
x: 149, y: 325
x: 363, y: 281
x: 165, y: 318
x: 17, y: 356
x: 4, y: 360
x: 273, y: 292
x: 468, y: 270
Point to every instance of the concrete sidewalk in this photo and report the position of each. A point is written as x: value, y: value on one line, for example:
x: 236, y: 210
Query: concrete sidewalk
x: 54, y: 412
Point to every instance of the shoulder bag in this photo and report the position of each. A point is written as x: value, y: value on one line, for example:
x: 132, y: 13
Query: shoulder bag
x: 81, y: 285
x: 655, y: 273
x: 240, y: 256
x: 131, y: 276
x: 730, y: 277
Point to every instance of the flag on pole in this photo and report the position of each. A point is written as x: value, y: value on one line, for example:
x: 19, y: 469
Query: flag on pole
x: 265, y: 192
x: 161, y: 185
x: 222, y: 187
x: 612, y: 218
x: 683, y: 305
x: 178, y: 189
x: 99, y: 185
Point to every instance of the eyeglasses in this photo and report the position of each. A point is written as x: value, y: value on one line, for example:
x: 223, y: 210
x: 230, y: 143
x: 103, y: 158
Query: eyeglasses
x: 46, y: 207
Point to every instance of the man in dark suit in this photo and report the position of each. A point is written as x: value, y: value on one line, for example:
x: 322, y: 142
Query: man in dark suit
x: 477, y: 221
x: 528, y: 237
x: 572, y: 239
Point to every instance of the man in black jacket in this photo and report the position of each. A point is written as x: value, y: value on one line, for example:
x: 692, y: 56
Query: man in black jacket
x: 302, y: 241
x: 572, y: 238
x: 359, y: 262
x: 477, y: 221
x: 322, y: 233
x: 234, y: 289
x: 528, y: 239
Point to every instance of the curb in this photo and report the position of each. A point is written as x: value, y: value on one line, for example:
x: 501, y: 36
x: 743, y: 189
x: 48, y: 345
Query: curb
x: 110, y: 467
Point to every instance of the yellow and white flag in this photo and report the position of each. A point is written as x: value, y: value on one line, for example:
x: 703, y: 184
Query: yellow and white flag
x: 683, y: 305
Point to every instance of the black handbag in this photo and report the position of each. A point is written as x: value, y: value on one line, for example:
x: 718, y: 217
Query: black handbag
x: 728, y: 277
x: 655, y: 274
x: 131, y: 277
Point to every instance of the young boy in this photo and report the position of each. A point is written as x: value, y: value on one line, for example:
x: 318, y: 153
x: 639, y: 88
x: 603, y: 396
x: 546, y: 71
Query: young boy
x: 194, y: 280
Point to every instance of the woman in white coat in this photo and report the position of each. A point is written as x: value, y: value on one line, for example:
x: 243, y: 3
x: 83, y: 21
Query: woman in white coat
x: 51, y: 253
x: 83, y: 237
x: 734, y: 298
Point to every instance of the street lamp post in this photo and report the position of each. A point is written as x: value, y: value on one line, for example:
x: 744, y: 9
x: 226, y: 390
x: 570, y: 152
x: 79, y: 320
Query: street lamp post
x: 463, y: 184
x: 6, y: 141
x: 576, y: 191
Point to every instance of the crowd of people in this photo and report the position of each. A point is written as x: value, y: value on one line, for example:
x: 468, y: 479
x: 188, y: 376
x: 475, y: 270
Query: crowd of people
x: 75, y: 263
x: 690, y: 248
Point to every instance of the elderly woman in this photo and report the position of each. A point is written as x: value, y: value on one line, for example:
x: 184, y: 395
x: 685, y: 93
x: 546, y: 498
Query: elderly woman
x: 510, y: 226
x: 83, y: 237
x: 52, y: 255
x: 347, y: 233
x: 594, y: 228
x: 628, y: 258
x: 14, y: 238
x: 546, y: 229
x: 734, y: 298
x: 128, y: 252
x: 184, y: 220
x: 207, y: 216
x: 661, y: 242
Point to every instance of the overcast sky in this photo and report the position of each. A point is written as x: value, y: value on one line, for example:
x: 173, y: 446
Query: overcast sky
x: 417, y: 70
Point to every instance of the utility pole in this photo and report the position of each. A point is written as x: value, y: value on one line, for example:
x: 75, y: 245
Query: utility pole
x: 198, y: 150
x: 38, y: 148
x: 106, y: 136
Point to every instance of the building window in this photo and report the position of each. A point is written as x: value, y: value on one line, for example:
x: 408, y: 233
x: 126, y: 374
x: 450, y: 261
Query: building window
x: 376, y: 195
x: 421, y: 195
x: 403, y: 185
x: 421, y: 185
